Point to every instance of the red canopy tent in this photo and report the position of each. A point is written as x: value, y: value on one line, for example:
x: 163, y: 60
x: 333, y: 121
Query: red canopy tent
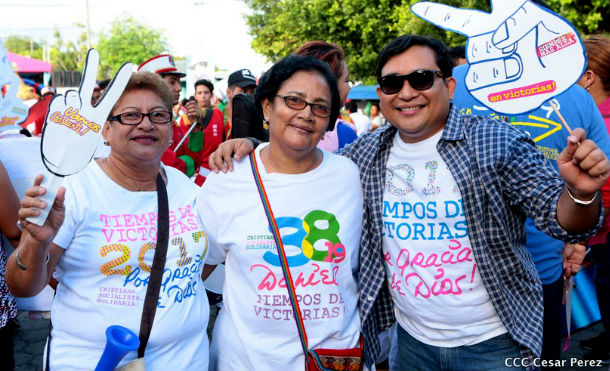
x: 29, y: 65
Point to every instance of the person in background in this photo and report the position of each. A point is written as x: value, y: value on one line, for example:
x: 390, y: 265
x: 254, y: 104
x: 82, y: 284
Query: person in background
x: 97, y: 94
x: 211, y: 127
x: 38, y: 112
x: 344, y: 132
x: 596, y: 80
x: 458, y: 55
x: 99, y: 241
x: 377, y: 119
x: 185, y: 158
x: 9, y: 232
x: 362, y: 122
x: 240, y: 81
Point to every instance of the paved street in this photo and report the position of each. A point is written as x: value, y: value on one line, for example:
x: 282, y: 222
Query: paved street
x: 30, y: 341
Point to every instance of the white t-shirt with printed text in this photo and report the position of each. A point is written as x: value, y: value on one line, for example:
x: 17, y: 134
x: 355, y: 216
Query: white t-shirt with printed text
x: 438, y: 293
x: 319, y: 214
x: 109, y: 235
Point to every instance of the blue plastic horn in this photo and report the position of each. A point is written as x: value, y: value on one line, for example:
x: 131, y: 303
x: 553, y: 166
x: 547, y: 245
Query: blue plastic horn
x: 119, y: 342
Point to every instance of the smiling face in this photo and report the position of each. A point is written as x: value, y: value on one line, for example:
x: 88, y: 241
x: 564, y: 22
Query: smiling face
x: 144, y: 142
x: 297, y: 132
x: 417, y: 114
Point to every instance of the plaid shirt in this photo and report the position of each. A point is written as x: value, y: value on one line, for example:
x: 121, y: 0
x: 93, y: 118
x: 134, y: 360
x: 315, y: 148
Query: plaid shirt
x: 502, y: 178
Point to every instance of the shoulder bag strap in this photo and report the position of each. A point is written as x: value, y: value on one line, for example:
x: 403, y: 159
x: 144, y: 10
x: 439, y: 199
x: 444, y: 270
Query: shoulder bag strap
x: 207, y: 118
x: 282, y: 255
x: 158, y: 265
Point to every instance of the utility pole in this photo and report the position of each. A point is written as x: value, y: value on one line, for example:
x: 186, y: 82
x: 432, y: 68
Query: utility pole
x: 88, y: 27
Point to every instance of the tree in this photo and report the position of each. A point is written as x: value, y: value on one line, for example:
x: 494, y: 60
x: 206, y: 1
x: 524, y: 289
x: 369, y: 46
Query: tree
x: 363, y: 27
x: 127, y: 41
x: 70, y: 55
x: 23, y: 45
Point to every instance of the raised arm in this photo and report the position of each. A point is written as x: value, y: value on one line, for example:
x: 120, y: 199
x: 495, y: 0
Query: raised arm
x: 584, y: 168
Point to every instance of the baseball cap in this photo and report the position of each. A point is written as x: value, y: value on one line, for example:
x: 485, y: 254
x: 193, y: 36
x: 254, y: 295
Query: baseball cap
x: 242, y: 78
x: 162, y: 64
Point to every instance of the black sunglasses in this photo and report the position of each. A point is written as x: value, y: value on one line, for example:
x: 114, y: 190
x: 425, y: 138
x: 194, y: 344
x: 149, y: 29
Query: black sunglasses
x: 419, y: 80
x: 134, y: 118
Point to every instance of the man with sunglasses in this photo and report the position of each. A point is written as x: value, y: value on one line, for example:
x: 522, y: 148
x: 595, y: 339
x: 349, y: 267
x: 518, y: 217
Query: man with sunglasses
x: 447, y: 198
x: 443, y: 240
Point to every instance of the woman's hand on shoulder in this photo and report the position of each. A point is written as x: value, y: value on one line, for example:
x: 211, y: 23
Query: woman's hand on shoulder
x: 30, y: 207
x: 221, y: 159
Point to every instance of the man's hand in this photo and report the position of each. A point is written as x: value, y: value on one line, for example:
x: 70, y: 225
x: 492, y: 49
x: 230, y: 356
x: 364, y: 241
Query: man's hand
x: 193, y: 111
x: 518, y: 50
x: 584, y: 167
x: 221, y: 159
x: 573, y: 255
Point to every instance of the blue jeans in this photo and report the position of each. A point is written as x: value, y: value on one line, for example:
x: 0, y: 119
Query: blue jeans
x: 414, y: 355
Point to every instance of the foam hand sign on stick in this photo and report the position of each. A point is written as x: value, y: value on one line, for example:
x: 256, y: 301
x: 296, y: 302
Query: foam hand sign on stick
x: 73, y: 128
x: 520, y: 54
x: 12, y: 109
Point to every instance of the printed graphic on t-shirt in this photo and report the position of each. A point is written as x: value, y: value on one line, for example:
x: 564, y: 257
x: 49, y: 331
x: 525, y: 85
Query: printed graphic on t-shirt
x: 313, y: 251
x: 432, y: 254
x: 123, y: 234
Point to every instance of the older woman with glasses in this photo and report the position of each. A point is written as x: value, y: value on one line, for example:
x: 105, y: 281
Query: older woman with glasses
x: 100, y: 238
x: 316, y: 201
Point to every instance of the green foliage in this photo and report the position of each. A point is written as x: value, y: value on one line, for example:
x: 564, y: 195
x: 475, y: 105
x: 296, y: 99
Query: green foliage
x: 363, y: 27
x: 587, y: 16
x: 68, y: 56
x: 127, y: 41
x: 23, y: 45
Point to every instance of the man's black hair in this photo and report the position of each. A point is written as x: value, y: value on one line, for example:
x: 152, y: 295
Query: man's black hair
x: 205, y: 82
x: 351, y: 106
x: 457, y: 52
x: 271, y: 82
x: 404, y: 42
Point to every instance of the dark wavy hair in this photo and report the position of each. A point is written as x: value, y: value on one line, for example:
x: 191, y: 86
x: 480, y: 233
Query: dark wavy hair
x: 404, y: 42
x: 270, y: 83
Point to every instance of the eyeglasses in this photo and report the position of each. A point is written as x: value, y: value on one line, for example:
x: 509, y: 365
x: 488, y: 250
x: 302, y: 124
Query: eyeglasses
x: 134, y: 118
x: 298, y: 103
x: 419, y: 80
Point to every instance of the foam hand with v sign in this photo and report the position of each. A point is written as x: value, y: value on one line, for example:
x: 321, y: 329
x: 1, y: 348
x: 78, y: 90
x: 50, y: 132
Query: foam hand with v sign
x: 73, y: 127
x: 520, y: 54
x: 12, y: 109
x: 583, y: 166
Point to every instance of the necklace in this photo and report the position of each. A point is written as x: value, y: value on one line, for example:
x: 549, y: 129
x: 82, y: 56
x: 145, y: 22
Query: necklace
x: 150, y: 186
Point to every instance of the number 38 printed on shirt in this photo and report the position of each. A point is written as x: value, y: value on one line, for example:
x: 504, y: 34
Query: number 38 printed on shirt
x: 115, y: 266
x: 317, y: 226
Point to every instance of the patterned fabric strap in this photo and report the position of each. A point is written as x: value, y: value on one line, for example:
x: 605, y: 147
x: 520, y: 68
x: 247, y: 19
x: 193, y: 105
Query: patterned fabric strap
x: 280, y: 249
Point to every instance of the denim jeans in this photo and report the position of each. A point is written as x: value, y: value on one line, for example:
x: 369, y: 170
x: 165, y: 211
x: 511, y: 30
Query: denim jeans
x: 414, y: 355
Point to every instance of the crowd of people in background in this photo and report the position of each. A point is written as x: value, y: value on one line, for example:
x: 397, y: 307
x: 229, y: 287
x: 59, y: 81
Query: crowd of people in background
x: 369, y: 177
